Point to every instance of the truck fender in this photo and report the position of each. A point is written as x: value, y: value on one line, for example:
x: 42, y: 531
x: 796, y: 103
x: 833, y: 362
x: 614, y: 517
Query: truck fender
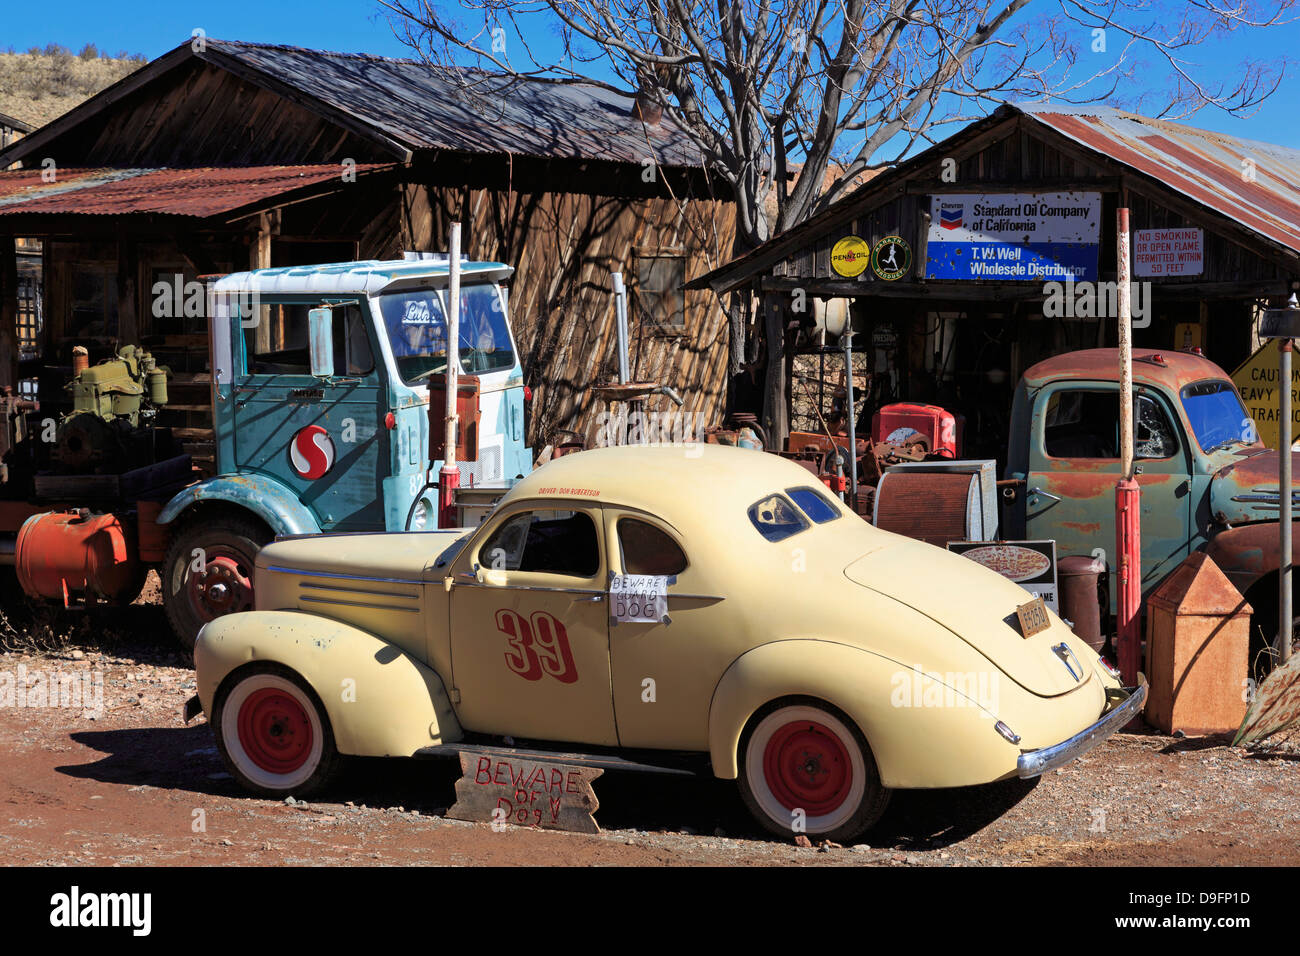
x: 864, y: 686
x: 380, y: 700
x: 265, y: 497
x: 1248, y: 552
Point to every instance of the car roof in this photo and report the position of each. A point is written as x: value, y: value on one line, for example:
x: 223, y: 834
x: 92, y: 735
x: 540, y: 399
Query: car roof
x: 677, y: 482
x: 1169, y: 368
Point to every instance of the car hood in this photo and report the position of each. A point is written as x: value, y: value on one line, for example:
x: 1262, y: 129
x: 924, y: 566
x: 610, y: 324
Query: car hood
x: 978, y: 606
x: 1246, y: 490
x: 396, y: 556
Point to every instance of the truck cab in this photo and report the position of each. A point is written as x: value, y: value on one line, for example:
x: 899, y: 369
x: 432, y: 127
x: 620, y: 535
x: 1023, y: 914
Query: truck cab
x: 321, y: 414
x: 1207, y: 483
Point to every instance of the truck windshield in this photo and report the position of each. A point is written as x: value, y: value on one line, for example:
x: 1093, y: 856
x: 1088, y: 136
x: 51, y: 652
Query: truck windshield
x: 1217, y: 416
x: 415, y: 320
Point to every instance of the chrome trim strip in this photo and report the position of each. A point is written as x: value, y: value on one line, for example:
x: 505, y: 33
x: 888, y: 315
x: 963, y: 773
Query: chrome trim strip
x: 380, y: 607
x: 349, y: 590
x: 1036, y: 762
x: 525, y: 587
x: 337, y: 574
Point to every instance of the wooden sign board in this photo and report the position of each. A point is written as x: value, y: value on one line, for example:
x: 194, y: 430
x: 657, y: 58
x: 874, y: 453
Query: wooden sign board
x: 500, y: 789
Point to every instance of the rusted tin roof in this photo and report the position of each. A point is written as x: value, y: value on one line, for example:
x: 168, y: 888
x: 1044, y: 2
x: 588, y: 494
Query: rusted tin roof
x: 1150, y: 367
x: 1257, y: 184
x: 1204, y: 167
x: 197, y: 193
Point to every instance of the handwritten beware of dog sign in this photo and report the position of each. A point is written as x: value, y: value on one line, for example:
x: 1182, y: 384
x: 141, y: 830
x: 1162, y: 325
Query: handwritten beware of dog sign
x: 529, y: 793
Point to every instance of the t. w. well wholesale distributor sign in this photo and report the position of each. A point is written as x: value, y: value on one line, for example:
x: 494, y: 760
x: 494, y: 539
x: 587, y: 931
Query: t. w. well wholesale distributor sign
x: 1033, y: 236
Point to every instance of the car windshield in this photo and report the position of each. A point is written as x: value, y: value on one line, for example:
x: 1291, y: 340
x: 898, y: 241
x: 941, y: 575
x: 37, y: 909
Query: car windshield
x: 415, y: 320
x: 1217, y: 416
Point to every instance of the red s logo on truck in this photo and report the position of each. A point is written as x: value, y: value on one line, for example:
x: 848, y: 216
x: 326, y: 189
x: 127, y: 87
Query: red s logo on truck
x: 311, y: 452
x: 539, y: 645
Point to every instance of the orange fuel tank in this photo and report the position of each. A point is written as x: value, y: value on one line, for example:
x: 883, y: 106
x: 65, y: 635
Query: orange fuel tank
x: 61, y: 553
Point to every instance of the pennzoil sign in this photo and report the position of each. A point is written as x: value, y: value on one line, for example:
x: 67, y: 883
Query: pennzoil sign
x: 851, y: 256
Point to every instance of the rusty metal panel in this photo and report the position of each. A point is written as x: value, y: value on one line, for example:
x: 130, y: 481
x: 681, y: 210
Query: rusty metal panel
x: 1276, y: 706
x: 1255, y: 184
x: 198, y: 193
x: 934, y: 508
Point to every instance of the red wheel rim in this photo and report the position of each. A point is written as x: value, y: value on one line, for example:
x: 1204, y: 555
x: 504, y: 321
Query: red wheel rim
x: 222, y: 587
x: 807, y: 767
x: 275, y: 731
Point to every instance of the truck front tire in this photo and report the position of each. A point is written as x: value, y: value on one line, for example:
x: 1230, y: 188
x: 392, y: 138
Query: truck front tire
x: 208, y: 571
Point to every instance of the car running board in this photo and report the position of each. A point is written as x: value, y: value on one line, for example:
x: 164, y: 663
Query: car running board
x: 603, y: 761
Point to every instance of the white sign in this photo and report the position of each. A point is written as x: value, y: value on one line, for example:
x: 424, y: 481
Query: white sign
x: 1031, y: 236
x: 1168, y: 252
x: 639, y: 597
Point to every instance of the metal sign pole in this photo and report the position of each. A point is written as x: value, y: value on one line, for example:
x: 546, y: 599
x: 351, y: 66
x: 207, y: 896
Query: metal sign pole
x: 1128, y: 504
x: 449, y: 476
x: 852, y: 420
x: 1286, y: 430
x: 1283, y: 324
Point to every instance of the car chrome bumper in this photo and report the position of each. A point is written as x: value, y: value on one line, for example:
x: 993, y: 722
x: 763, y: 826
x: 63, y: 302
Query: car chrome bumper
x: 1036, y: 762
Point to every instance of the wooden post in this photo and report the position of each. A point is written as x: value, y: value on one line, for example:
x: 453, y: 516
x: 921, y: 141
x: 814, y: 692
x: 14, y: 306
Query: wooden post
x: 776, y: 413
x: 259, y: 257
x: 8, y: 312
x: 128, y: 305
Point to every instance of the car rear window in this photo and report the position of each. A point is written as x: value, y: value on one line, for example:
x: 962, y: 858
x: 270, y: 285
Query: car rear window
x: 776, y: 518
x: 814, y: 504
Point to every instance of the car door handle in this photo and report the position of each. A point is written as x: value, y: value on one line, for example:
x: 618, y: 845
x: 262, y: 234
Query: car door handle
x: 1045, y: 494
x: 589, y: 600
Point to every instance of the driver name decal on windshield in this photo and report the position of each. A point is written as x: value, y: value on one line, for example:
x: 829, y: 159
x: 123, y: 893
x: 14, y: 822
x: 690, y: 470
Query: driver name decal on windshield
x: 539, y: 645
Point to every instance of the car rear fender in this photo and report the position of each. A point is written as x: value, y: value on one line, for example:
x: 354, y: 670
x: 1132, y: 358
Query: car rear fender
x: 381, y: 701
x: 952, y: 744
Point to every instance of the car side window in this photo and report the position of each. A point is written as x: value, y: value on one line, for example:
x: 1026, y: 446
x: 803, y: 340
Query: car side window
x: 1085, y: 424
x: 776, y: 518
x: 546, y: 541
x: 648, y: 550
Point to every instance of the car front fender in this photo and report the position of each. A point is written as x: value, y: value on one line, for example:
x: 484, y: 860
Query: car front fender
x: 914, y: 745
x: 271, y: 500
x: 381, y: 701
x: 1248, y: 552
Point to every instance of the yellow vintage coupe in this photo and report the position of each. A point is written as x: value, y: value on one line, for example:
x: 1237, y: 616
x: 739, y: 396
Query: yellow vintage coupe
x: 666, y: 607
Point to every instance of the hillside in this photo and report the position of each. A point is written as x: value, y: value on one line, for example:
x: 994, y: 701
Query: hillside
x: 41, y: 84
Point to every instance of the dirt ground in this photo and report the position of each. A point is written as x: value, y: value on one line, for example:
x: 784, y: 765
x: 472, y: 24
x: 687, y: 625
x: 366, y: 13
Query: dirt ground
x: 133, y: 785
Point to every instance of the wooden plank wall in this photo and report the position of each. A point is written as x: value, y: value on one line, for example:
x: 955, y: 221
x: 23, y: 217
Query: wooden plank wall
x: 564, y: 247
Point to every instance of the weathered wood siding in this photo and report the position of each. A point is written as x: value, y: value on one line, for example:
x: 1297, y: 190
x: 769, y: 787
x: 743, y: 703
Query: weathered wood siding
x: 564, y: 247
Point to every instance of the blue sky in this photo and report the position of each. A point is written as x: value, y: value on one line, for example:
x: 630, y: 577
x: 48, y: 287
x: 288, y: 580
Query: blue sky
x: 152, y: 27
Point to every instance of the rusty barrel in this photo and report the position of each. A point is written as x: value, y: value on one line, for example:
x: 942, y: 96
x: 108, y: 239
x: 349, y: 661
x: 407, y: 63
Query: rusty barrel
x: 1078, y: 576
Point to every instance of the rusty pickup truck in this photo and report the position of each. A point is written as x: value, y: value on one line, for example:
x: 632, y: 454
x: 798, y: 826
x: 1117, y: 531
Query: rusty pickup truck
x: 1207, y: 481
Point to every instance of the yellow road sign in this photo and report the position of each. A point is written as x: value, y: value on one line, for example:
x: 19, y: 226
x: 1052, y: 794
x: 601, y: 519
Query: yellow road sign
x: 1256, y: 381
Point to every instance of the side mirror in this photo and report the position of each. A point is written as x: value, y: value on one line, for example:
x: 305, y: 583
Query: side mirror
x: 320, y: 341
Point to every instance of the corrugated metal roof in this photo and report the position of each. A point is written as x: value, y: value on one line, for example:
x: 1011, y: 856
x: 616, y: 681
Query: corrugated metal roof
x: 427, y: 108
x: 1206, y: 167
x: 197, y: 193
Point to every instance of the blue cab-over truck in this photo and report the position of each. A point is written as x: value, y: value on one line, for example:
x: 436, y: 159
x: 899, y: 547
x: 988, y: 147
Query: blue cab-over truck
x: 321, y: 417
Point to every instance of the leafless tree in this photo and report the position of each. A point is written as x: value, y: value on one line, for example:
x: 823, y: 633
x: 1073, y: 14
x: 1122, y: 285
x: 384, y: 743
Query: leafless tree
x: 833, y: 89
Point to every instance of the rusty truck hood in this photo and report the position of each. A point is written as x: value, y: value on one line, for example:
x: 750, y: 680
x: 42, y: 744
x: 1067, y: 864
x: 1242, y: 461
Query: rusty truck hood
x: 1247, y: 490
x: 978, y: 606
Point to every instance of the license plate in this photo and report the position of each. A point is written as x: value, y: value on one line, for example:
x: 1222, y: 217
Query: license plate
x: 1033, y: 617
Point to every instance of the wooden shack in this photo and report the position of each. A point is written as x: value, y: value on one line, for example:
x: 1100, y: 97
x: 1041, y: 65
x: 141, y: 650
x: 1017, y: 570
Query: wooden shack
x: 222, y: 155
x: 1215, y: 234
